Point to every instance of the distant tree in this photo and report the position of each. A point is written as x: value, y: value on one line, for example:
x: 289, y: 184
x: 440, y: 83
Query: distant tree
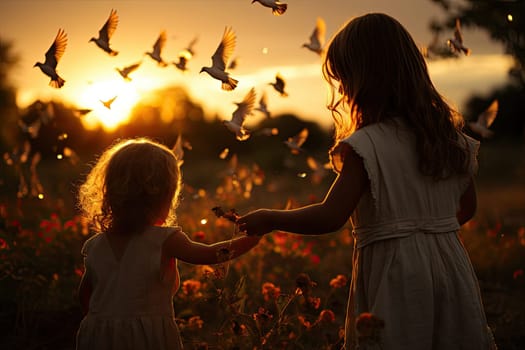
x: 504, y: 21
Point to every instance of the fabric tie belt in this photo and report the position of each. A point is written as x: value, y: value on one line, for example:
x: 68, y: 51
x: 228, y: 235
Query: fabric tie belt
x: 367, y: 234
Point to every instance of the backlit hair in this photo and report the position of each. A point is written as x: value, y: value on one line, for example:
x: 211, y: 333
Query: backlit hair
x: 376, y: 72
x: 131, y: 186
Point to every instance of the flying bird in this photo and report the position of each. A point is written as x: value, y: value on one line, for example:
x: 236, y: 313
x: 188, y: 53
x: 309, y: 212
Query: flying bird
x: 484, y: 121
x: 220, y: 59
x: 80, y: 112
x: 317, y: 38
x: 456, y: 43
x: 279, y: 85
x: 108, y: 103
x: 319, y: 170
x: 184, y: 57
x: 263, y: 106
x: 278, y: 8
x: 157, y: 49
x: 244, y: 109
x: 105, y: 33
x: 53, y: 55
x: 126, y: 71
x: 295, y: 142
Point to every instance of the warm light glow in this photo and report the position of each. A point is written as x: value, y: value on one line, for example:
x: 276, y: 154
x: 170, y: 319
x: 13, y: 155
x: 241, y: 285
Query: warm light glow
x: 110, y: 118
x: 510, y: 18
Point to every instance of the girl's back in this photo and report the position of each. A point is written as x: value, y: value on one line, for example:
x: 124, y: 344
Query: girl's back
x: 401, y: 199
x: 410, y: 268
x: 131, y: 305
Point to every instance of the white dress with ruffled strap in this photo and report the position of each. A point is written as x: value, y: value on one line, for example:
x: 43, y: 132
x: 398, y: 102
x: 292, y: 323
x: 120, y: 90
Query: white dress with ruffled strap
x: 410, y: 267
x: 131, y: 306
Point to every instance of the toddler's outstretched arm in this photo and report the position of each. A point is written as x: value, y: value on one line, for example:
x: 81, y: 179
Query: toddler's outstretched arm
x: 180, y: 246
x: 324, y: 217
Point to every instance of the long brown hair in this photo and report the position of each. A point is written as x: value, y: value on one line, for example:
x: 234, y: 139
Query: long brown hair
x: 377, y: 72
x: 133, y: 183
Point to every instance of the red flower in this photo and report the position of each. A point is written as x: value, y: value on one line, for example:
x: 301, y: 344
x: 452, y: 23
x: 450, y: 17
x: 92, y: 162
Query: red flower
x: 521, y: 236
x: 307, y: 324
x: 315, y: 302
x: 198, y: 236
x: 195, y: 322
x: 494, y: 231
x: 518, y: 273
x: 270, y: 291
x: 368, y: 325
x: 191, y: 287
x: 339, y: 281
x: 326, y: 316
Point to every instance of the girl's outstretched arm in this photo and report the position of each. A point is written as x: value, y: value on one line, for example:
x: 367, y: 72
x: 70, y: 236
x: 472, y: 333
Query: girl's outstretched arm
x: 180, y: 246
x: 324, y: 217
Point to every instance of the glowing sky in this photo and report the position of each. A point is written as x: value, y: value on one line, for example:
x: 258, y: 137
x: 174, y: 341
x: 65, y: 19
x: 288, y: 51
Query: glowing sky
x: 266, y: 45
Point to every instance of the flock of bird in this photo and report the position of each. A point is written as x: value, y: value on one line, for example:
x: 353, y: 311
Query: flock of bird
x: 222, y: 63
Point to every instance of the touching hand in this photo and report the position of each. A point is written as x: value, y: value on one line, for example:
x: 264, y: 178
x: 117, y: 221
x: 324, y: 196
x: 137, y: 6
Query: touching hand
x: 256, y: 223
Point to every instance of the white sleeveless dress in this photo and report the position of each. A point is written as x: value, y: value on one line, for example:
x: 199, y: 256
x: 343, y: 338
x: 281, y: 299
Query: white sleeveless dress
x: 131, y: 306
x: 410, y: 267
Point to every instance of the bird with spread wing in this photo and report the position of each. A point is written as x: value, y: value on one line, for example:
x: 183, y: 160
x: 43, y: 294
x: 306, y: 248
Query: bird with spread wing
x: 155, y: 54
x: 317, y: 39
x: 244, y: 109
x: 279, y: 85
x: 126, y: 71
x: 105, y: 33
x: 456, y: 43
x: 278, y: 8
x: 220, y: 59
x: 53, y: 55
x: 295, y: 142
x: 482, y: 124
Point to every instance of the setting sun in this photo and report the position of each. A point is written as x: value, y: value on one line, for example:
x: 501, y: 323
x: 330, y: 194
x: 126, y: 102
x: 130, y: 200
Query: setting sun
x: 114, y: 113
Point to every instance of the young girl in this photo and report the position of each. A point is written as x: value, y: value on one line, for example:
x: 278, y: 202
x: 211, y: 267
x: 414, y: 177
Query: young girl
x: 131, y: 273
x: 405, y: 177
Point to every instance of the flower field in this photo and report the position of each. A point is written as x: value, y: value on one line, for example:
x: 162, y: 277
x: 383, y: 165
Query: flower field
x: 289, y: 292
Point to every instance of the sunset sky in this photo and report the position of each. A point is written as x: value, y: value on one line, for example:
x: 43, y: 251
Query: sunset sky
x: 266, y: 45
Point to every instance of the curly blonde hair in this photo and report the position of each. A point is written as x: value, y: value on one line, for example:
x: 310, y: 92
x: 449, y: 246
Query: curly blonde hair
x: 133, y: 184
x: 376, y: 72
